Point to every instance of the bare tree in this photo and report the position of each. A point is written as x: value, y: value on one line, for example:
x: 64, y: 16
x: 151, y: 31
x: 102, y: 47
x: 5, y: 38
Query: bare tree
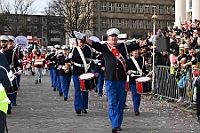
x: 74, y: 14
x: 13, y: 15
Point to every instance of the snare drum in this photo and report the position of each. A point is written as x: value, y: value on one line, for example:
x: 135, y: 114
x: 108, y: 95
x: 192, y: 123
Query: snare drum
x: 143, y: 85
x: 88, y: 81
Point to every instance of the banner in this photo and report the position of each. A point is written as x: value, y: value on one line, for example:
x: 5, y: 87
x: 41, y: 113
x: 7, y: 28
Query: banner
x: 21, y: 41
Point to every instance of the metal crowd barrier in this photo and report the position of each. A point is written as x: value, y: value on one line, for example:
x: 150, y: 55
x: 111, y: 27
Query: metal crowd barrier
x: 167, y: 87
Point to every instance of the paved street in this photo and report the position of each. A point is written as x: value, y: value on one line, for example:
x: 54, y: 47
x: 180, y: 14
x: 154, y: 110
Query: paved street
x: 41, y: 110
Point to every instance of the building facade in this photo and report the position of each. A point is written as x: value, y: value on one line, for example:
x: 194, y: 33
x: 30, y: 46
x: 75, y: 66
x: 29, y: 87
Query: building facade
x: 186, y: 10
x: 47, y: 29
x: 133, y: 17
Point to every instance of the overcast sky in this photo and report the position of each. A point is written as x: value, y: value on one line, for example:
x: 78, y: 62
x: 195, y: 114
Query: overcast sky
x: 38, y: 5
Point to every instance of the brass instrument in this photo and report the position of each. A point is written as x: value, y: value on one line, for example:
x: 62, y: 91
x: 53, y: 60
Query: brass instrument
x: 68, y: 66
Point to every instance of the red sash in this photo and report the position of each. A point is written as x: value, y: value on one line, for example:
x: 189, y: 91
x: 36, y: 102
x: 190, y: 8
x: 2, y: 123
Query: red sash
x: 118, y: 55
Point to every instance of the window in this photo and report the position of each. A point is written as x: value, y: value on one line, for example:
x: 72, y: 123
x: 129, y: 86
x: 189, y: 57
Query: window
x: 140, y: 9
x: 173, y: 10
x: 167, y: 10
x: 147, y: 9
x: 190, y: 4
x: 103, y: 8
x: 5, y: 28
x: 126, y: 8
x: 119, y: 23
x: 160, y: 9
x: 28, y: 18
x: 19, y: 28
x: 141, y: 24
x: 112, y: 24
x: 167, y: 23
x: 44, y: 19
x: 148, y: 24
x: 134, y: 25
x: 44, y: 29
x: 126, y: 23
x: 119, y: 7
x: 83, y: 8
x: 153, y: 9
x: 35, y: 19
x: 44, y: 39
x: 104, y: 23
x: 133, y: 8
x: 111, y: 7
x: 35, y: 28
x: 28, y: 28
x: 161, y: 24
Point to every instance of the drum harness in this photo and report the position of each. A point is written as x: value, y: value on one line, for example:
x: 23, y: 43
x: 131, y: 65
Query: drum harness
x: 139, y: 71
x: 85, y: 65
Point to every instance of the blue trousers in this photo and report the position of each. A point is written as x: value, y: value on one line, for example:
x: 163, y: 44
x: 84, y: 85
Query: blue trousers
x: 100, y: 82
x: 135, y: 97
x: 115, y: 92
x: 59, y: 84
x: 80, y: 97
x: 65, y: 82
x: 53, y: 78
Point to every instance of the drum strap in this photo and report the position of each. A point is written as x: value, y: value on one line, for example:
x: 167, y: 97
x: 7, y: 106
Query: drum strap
x: 82, y: 58
x: 137, y: 66
x: 117, y: 55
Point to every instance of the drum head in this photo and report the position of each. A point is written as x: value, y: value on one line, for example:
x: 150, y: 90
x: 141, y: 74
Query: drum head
x: 143, y: 79
x: 86, y: 76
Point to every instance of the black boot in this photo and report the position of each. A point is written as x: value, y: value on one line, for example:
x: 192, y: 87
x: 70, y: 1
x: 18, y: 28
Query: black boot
x: 114, y: 130
x: 84, y: 111
x: 61, y: 94
x: 36, y: 82
x: 65, y: 98
x: 78, y: 112
x: 39, y: 80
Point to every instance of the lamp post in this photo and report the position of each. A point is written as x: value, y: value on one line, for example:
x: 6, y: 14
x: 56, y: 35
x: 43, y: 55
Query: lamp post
x: 154, y: 17
x: 99, y: 17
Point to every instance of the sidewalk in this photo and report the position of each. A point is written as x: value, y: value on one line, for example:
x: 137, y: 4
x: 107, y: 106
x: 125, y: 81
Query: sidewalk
x: 41, y: 110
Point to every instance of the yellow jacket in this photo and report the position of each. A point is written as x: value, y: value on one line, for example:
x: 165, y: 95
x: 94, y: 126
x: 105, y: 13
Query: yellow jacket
x: 4, y: 101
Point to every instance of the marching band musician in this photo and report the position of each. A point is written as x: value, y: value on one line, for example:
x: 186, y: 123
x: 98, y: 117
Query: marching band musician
x: 135, y: 69
x: 115, y: 56
x: 38, y: 63
x: 80, y: 66
x: 13, y: 62
x: 64, y: 71
x: 51, y: 58
x: 99, y: 68
x: 26, y: 63
x: 19, y: 55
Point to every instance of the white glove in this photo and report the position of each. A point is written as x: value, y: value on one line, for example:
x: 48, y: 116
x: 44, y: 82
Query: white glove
x: 78, y: 35
x: 70, y: 55
x: 59, y: 67
x: 64, y: 67
x: 96, y: 61
x: 19, y: 72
